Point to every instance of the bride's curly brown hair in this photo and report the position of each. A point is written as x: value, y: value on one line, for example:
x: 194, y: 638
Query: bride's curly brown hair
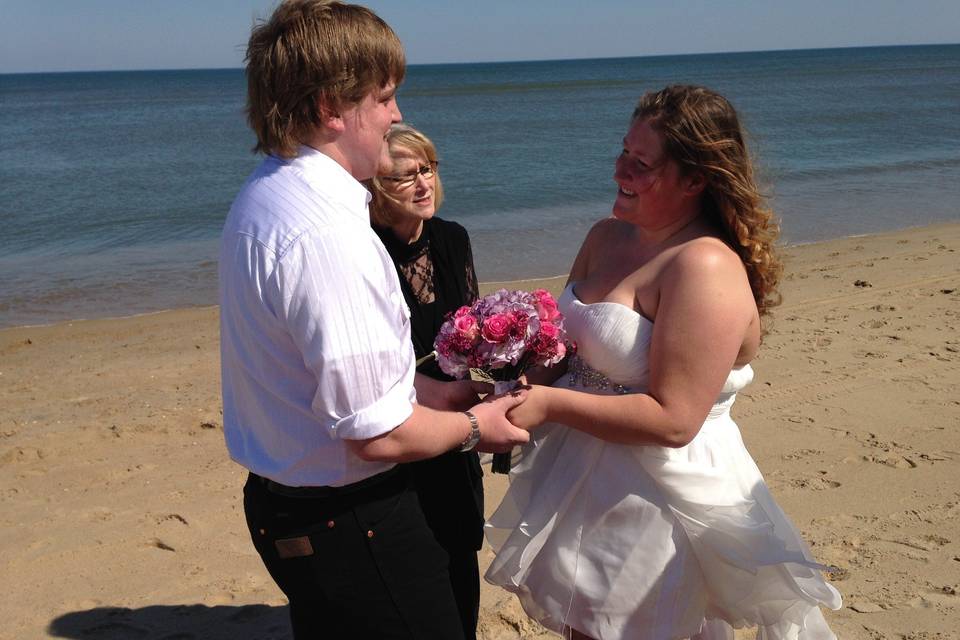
x: 702, y: 134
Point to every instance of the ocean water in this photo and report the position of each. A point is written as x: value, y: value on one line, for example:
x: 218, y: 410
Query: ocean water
x: 114, y: 186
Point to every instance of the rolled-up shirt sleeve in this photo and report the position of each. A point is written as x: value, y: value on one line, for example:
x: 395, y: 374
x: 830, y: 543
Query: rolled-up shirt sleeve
x: 344, y: 309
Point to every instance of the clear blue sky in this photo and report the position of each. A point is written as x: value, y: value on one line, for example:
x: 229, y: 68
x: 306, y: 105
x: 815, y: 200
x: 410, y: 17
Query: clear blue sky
x: 66, y: 35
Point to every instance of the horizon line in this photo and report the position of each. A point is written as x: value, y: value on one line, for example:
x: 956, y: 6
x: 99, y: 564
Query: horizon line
x: 487, y: 62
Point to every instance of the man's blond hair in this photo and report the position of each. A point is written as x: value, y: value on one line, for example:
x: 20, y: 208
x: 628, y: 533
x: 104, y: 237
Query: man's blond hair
x: 314, y: 57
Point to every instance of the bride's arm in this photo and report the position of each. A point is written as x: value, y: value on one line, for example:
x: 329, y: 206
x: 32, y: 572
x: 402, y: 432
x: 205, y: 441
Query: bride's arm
x: 704, y: 312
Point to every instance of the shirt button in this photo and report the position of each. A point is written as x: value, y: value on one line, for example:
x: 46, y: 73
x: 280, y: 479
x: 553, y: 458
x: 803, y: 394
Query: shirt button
x: 263, y: 532
x: 370, y: 533
x: 331, y: 524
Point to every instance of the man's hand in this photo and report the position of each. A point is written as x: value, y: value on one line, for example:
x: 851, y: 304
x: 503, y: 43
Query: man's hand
x: 497, y: 434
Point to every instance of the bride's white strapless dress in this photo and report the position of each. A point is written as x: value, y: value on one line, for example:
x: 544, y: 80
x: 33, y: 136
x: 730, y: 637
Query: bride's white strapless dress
x: 647, y: 542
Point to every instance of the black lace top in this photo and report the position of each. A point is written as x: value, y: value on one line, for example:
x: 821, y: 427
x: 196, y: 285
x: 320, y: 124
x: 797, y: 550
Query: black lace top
x: 437, y: 277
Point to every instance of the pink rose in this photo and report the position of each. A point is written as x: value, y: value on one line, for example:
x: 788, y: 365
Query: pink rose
x: 462, y: 311
x: 466, y: 326
x: 497, y: 328
x: 546, y: 305
x: 550, y: 330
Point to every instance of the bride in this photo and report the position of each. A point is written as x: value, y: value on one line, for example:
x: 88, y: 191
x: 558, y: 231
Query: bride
x: 636, y: 511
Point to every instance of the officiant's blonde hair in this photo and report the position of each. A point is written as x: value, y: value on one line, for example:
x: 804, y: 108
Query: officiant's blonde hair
x: 402, y: 138
x: 312, y: 56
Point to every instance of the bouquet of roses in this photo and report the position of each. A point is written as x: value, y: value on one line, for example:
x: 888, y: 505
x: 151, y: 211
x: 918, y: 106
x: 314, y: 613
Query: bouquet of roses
x: 500, y: 336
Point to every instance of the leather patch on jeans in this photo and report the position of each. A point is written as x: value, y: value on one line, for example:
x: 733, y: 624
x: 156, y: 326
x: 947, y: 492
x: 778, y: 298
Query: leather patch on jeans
x: 294, y: 547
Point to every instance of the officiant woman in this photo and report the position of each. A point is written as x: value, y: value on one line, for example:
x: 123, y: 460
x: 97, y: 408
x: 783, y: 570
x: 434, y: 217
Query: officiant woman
x: 435, y: 265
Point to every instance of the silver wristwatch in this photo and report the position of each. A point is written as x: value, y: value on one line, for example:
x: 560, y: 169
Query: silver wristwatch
x: 474, y: 437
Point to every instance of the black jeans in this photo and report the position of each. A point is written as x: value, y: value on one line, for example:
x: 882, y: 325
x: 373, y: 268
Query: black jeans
x: 355, y: 564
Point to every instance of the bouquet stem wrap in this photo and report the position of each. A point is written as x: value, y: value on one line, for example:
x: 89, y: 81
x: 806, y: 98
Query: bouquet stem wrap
x: 501, y: 461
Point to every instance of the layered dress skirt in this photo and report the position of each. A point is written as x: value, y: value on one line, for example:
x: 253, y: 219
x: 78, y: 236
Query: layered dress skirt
x: 648, y: 542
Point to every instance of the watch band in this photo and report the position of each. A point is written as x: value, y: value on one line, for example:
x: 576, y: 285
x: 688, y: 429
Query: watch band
x: 474, y: 437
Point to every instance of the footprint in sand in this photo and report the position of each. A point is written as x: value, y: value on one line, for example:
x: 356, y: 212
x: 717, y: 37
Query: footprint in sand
x: 913, y: 547
x: 801, y: 454
x: 22, y: 455
x: 895, y: 461
x: 814, y: 483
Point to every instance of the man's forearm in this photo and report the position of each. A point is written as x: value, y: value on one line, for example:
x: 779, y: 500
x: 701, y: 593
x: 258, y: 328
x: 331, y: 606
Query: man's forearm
x: 425, y: 434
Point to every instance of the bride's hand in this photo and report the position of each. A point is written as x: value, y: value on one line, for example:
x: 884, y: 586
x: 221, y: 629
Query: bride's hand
x: 533, y: 412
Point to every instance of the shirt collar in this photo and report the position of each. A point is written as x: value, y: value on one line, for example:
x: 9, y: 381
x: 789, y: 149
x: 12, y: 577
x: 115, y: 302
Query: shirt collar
x: 326, y: 176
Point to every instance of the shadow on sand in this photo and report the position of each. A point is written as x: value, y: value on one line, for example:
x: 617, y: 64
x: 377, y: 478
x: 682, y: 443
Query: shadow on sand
x: 175, y: 622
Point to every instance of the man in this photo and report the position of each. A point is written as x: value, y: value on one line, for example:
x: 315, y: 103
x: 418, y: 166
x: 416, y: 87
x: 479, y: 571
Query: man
x: 320, y: 395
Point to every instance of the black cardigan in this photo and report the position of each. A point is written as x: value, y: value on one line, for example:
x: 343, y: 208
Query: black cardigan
x: 450, y: 485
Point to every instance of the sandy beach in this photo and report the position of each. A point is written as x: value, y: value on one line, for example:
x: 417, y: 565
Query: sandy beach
x: 121, y: 513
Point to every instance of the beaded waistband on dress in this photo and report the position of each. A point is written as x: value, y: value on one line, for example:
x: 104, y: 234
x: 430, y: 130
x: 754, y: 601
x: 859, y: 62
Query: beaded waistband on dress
x: 579, y: 373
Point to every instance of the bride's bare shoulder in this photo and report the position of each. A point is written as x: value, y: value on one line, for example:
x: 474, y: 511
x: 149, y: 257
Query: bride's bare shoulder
x: 608, y: 230
x: 704, y: 257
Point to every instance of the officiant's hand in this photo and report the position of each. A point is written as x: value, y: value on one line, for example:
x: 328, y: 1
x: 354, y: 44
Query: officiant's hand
x: 463, y: 394
x: 458, y: 395
x: 497, y: 434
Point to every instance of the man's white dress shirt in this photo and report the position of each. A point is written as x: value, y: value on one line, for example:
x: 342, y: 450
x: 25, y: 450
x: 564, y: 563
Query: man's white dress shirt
x: 314, y: 332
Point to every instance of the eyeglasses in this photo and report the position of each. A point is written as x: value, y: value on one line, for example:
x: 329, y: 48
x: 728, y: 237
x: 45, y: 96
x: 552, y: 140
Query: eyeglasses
x: 407, y: 180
